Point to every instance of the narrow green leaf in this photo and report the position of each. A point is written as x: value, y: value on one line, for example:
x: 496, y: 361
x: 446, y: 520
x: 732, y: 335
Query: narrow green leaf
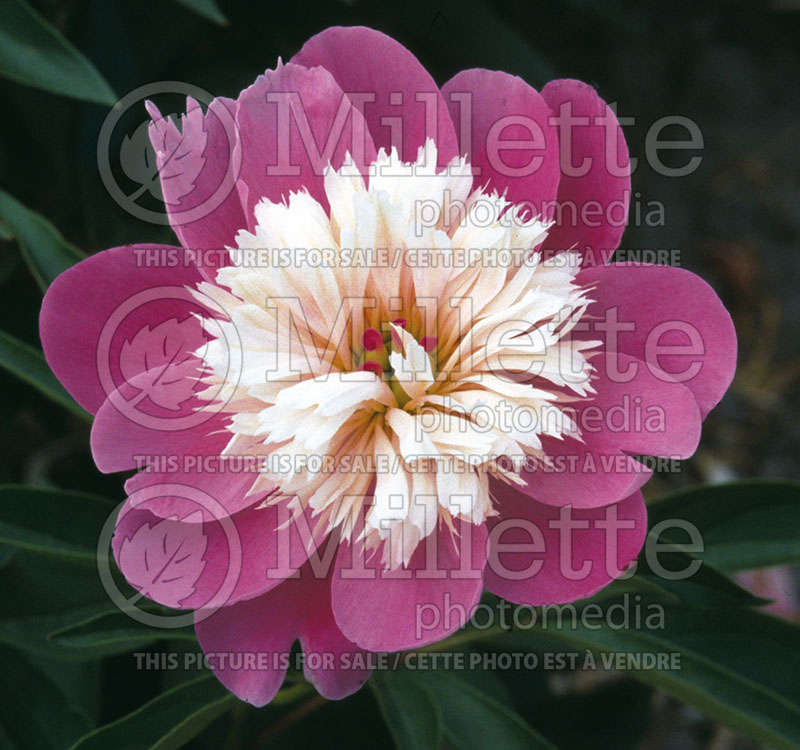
x: 206, y: 8
x: 37, y: 585
x: 167, y: 722
x: 409, y: 710
x: 42, y: 594
x: 52, y: 522
x: 111, y: 631
x: 738, y: 666
x: 473, y: 720
x: 6, y: 553
x: 33, y: 633
x: 43, y: 247
x: 34, y: 713
x: 744, y: 525
x: 29, y: 365
x: 35, y: 53
x: 705, y: 587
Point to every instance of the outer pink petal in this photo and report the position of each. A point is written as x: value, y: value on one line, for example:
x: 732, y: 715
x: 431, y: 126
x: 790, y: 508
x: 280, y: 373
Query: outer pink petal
x: 265, y: 629
x: 383, y: 612
x: 243, y: 556
x: 365, y: 61
x: 286, y: 120
x: 125, y: 438
x: 668, y: 307
x: 593, y: 196
x: 640, y: 411
x: 143, y: 544
x: 334, y: 664
x: 81, y: 302
x: 587, y: 474
x: 268, y: 625
x: 500, y: 109
x: 634, y: 411
x: 227, y: 480
x: 542, y: 577
x: 198, y: 174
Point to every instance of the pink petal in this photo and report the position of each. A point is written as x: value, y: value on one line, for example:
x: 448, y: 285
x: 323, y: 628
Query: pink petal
x: 262, y: 630
x: 593, y: 195
x: 365, y: 61
x: 130, y: 431
x: 383, y: 612
x: 500, y: 109
x: 268, y: 626
x: 166, y: 560
x: 198, y: 167
x: 243, y: 556
x: 667, y: 307
x: 289, y: 133
x: 640, y: 411
x: 227, y: 480
x: 91, y: 309
x: 334, y: 664
x: 587, y: 474
x: 538, y: 575
x: 634, y: 411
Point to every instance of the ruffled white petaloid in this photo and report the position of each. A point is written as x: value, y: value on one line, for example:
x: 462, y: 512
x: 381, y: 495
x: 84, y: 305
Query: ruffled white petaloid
x: 392, y: 355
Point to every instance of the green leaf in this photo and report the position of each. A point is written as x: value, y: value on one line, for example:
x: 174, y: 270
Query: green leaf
x: 36, y: 585
x: 111, y: 631
x: 206, y: 8
x: 744, y: 525
x: 34, y: 633
x: 52, y: 522
x: 43, y: 247
x: 6, y: 553
x: 705, y: 587
x: 87, y: 633
x: 474, y: 720
x: 41, y: 594
x: 166, y: 723
x: 410, y: 712
x: 34, y: 53
x: 29, y: 365
x: 34, y: 713
x: 44, y: 595
x: 738, y: 666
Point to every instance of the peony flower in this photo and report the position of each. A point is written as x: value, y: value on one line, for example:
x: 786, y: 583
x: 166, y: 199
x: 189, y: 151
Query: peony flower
x: 389, y: 365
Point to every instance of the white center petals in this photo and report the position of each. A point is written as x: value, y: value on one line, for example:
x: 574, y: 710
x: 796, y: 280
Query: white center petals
x: 395, y: 351
x: 412, y: 368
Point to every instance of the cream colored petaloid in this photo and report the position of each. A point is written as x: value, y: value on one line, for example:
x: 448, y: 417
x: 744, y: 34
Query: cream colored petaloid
x: 382, y: 385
